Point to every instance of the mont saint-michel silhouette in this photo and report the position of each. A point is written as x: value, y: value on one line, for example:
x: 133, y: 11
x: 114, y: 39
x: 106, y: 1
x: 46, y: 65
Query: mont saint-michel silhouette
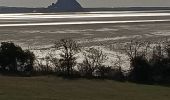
x: 72, y: 6
x: 66, y: 5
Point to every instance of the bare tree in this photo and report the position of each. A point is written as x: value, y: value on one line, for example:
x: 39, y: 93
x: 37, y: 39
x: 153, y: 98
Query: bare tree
x: 54, y: 61
x: 140, y: 69
x: 136, y: 48
x: 93, y: 59
x: 43, y: 64
x: 69, y: 48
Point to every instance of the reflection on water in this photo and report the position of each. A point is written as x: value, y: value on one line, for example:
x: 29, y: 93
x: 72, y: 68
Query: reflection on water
x: 76, y: 23
x: 32, y: 19
x: 100, y: 15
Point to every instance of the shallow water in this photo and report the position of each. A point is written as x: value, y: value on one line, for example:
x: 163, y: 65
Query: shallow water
x: 32, y: 19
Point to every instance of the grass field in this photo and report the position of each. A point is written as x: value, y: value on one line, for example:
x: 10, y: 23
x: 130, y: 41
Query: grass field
x: 52, y: 88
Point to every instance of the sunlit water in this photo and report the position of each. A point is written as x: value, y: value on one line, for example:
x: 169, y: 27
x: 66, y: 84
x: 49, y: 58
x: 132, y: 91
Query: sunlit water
x: 37, y: 19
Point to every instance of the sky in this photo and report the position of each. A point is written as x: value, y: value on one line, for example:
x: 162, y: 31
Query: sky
x: 88, y: 3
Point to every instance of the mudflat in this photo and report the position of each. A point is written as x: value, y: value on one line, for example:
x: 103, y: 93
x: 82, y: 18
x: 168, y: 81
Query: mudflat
x: 91, y: 28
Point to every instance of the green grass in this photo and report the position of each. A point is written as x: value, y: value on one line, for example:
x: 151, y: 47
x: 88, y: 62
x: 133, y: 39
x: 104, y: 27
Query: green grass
x: 52, y: 88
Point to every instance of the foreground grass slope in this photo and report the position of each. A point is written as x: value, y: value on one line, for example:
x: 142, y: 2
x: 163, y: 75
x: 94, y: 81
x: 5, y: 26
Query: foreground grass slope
x: 52, y: 88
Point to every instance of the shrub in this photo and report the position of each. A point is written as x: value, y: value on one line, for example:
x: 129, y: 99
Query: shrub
x: 140, y: 70
x: 108, y: 72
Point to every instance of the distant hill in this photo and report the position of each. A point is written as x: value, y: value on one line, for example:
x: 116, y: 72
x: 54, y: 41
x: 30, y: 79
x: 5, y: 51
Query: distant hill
x: 59, y: 7
x: 21, y: 10
x: 127, y: 9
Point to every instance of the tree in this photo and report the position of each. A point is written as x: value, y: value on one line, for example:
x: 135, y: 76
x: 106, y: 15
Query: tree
x: 8, y: 56
x: 94, y: 58
x: 26, y: 62
x: 136, y: 48
x: 69, y: 48
x: 140, y: 69
x: 13, y: 59
x: 160, y: 62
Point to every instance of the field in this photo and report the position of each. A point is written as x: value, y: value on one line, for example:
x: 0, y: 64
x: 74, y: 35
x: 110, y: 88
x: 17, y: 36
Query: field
x: 53, y: 88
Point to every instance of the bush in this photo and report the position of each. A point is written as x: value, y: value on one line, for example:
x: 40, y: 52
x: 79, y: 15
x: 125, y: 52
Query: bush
x: 140, y: 70
x: 108, y: 72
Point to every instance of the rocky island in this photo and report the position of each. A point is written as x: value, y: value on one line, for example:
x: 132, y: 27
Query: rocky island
x: 66, y: 5
x: 72, y: 6
x: 59, y: 6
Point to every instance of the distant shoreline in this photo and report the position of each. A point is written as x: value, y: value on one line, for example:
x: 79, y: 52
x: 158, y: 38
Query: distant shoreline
x: 49, y: 10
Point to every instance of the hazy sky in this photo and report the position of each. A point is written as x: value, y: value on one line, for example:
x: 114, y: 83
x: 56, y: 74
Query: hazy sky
x: 87, y: 3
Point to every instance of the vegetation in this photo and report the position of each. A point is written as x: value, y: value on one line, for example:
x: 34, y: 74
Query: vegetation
x: 69, y: 48
x: 150, y: 64
x: 145, y: 69
x: 14, y: 60
x: 92, y: 62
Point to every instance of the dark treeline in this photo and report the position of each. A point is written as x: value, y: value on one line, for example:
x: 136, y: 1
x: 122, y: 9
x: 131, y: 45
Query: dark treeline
x: 149, y: 63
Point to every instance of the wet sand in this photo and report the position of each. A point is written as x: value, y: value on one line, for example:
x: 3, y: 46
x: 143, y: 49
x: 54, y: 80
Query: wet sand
x: 86, y: 34
x: 46, y: 35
